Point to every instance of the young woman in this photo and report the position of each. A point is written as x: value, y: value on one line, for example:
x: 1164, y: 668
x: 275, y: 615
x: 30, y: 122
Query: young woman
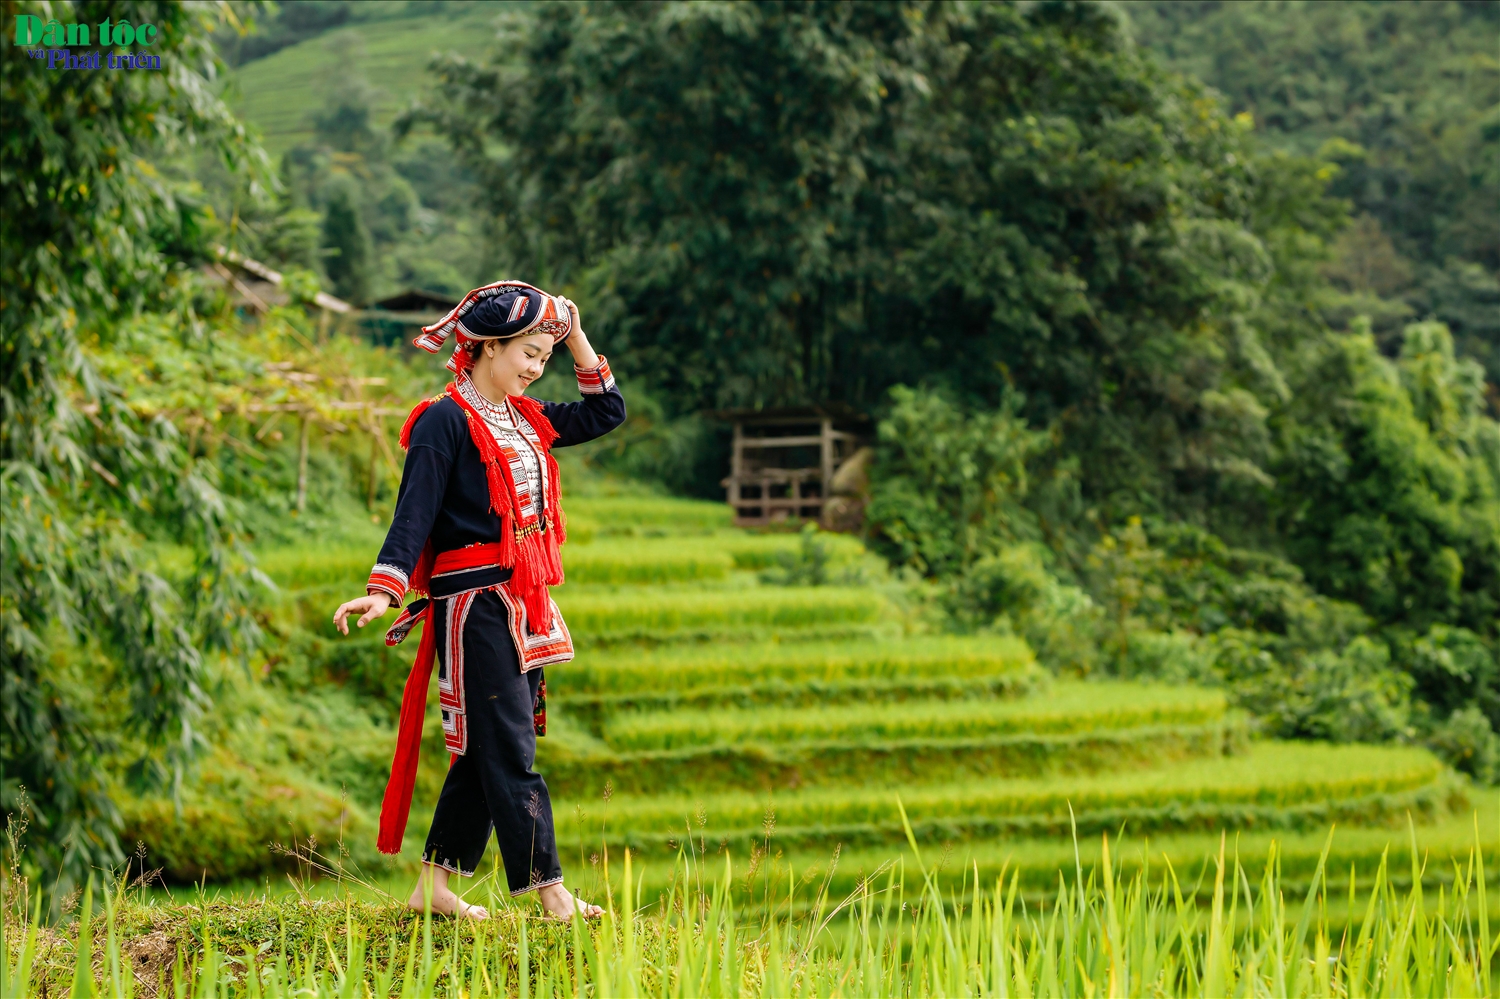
x: 477, y: 529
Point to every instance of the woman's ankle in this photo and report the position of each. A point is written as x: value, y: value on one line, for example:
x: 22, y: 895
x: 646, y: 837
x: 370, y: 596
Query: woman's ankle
x: 432, y: 889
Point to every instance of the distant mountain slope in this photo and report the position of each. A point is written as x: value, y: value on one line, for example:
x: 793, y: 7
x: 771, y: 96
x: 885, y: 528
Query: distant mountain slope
x: 1417, y: 87
x: 277, y: 93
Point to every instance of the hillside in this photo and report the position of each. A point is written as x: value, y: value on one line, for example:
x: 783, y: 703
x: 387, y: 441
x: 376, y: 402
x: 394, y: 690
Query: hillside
x: 277, y: 93
x: 713, y: 709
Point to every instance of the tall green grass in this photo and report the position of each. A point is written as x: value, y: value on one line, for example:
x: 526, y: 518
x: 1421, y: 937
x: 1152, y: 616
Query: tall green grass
x: 644, y: 557
x: 1066, y: 709
x: 622, y: 561
x: 899, y: 932
x: 578, y: 768
x: 763, y: 551
x: 1356, y: 852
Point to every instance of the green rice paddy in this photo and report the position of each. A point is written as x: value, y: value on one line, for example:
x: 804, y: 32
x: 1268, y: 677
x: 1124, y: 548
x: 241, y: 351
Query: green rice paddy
x: 1066, y: 709
x: 709, y: 703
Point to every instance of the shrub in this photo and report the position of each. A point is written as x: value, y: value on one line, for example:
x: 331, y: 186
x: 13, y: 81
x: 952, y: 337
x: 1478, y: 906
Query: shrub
x: 1468, y: 743
x: 947, y: 483
x: 1353, y: 695
x: 1453, y: 668
x: 1015, y: 589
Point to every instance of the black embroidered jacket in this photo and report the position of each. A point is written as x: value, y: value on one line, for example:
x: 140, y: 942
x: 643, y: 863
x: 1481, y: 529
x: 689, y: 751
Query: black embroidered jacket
x: 444, y: 494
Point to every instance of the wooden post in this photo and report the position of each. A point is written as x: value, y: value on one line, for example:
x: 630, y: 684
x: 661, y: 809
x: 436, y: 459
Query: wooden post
x: 826, y: 446
x: 374, y: 455
x: 302, y: 463
x: 736, y: 466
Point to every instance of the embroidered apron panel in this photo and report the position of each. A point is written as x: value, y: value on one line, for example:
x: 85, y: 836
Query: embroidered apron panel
x: 536, y: 650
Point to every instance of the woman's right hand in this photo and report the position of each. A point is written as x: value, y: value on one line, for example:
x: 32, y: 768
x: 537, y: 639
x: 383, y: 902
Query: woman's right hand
x: 368, y: 607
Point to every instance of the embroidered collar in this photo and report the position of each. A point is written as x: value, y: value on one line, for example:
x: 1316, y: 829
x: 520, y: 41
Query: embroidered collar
x: 512, y: 431
x: 501, y: 414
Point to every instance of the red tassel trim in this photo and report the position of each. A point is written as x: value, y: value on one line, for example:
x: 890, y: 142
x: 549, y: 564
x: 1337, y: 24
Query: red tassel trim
x: 557, y: 521
x: 531, y: 553
x: 411, y: 421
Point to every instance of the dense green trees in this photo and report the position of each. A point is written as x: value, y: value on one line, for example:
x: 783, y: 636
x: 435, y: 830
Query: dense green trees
x: 1389, y: 481
x: 1404, y: 95
x: 1014, y: 207
x: 776, y: 203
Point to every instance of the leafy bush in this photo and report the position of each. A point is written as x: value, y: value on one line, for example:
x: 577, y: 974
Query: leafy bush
x: 946, y: 484
x: 1454, y: 669
x: 1389, y: 485
x: 1468, y: 743
x: 1349, y: 695
x: 1015, y: 589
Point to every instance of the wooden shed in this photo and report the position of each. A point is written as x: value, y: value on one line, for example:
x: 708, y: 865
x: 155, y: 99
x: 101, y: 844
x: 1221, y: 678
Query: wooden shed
x: 394, y: 321
x: 783, y: 461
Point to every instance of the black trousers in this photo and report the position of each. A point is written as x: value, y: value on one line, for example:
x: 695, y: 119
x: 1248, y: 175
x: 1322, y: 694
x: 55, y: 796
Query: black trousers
x: 492, y: 786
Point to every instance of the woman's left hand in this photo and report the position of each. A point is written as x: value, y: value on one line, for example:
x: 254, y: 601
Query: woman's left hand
x: 578, y: 341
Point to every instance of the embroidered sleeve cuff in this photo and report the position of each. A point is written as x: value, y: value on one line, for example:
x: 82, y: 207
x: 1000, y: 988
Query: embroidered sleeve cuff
x: 387, y: 579
x: 596, y: 380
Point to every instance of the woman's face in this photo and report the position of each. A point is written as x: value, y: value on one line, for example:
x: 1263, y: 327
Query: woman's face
x: 515, y: 363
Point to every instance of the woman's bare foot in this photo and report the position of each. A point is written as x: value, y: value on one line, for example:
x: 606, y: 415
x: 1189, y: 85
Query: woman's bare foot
x: 559, y: 902
x: 445, y: 902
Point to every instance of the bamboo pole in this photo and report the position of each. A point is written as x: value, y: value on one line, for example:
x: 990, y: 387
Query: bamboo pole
x: 302, y: 463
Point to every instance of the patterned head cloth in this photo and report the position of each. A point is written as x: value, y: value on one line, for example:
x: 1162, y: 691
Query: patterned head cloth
x: 497, y: 311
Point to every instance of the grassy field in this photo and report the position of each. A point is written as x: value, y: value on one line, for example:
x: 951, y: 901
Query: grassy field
x: 1122, y: 929
x: 1067, y: 709
x: 707, y: 698
x: 714, y: 671
x: 806, y: 738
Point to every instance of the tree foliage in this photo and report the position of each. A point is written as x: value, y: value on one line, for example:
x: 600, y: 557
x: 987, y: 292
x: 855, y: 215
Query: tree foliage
x: 1403, y: 94
x: 777, y: 203
x: 97, y: 230
x: 950, y: 484
x: 1389, y: 485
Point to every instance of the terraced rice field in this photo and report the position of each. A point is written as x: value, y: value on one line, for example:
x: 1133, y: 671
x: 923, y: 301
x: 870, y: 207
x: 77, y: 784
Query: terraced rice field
x: 710, y: 711
x: 782, y: 724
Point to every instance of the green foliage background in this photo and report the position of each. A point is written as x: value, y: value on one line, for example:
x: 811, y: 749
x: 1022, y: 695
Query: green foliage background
x: 1177, y: 320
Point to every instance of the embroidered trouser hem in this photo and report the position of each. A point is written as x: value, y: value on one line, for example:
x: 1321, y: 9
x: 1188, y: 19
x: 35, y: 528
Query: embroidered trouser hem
x: 522, y: 891
x: 446, y: 865
x: 492, y: 787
